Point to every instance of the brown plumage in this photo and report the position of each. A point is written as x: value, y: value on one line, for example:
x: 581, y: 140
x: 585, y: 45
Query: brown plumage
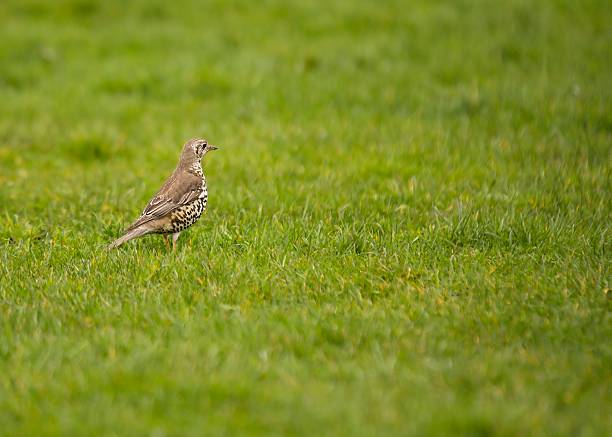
x: 180, y: 201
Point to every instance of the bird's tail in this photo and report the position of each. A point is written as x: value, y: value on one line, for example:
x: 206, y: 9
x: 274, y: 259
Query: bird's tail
x: 129, y: 235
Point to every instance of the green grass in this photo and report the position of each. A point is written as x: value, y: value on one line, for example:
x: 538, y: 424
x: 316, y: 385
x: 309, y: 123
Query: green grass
x: 408, y: 227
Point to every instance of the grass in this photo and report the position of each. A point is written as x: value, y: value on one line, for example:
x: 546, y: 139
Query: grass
x: 408, y: 227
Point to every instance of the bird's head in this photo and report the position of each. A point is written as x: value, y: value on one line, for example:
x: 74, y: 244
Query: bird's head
x: 196, y: 149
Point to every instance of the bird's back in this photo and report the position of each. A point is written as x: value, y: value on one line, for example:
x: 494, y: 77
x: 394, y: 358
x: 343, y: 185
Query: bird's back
x: 184, y: 186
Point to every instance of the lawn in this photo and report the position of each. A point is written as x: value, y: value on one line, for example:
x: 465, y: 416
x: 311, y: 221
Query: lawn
x: 408, y: 228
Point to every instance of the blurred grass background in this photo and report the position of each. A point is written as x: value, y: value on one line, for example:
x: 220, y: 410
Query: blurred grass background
x: 408, y: 226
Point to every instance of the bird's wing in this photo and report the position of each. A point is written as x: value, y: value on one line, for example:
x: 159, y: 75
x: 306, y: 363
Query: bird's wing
x: 172, y: 195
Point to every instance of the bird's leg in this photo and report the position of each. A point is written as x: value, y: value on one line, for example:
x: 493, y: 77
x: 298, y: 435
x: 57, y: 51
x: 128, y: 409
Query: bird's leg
x: 166, y: 241
x: 174, y: 238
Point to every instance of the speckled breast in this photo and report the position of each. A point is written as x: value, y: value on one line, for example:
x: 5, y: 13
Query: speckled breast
x: 185, y: 216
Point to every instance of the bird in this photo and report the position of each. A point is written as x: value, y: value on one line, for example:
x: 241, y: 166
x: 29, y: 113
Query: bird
x: 180, y: 201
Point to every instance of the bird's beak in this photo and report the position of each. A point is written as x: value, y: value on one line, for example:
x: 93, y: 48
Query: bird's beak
x: 211, y: 147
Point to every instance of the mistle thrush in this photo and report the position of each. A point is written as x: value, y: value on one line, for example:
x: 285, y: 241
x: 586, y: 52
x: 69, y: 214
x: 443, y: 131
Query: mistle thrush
x: 180, y: 201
